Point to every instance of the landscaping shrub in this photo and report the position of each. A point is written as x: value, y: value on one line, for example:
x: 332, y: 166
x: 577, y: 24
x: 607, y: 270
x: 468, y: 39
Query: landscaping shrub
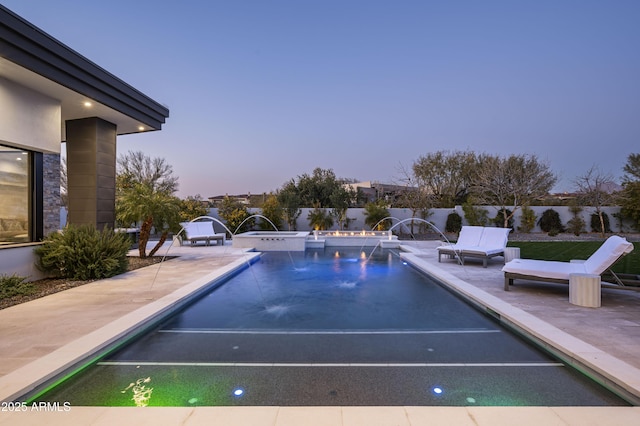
x: 454, y: 223
x: 550, y: 222
x: 320, y: 219
x: 498, y: 220
x: 527, y: 220
x: 576, y: 224
x: 595, y: 223
x: 14, y: 285
x: 374, y: 213
x: 84, y: 253
x: 476, y: 216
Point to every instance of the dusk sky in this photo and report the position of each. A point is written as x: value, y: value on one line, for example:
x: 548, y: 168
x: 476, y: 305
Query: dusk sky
x: 260, y: 92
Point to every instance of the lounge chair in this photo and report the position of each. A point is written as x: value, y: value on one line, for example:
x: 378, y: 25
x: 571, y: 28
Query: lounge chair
x: 599, y: 262
x: 477, y: 241
x: 202, y: 231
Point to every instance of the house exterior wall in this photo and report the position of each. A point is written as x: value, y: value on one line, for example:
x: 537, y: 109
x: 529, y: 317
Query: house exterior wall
x: 29, y: 119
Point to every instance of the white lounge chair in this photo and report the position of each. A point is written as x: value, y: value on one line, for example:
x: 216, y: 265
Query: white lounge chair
x: 477, y: 241
x: 599, y: 262
x: 202, y: 231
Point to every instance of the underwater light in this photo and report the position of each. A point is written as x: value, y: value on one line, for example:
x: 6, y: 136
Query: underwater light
x: 238, y: 392
x: 437, y: 390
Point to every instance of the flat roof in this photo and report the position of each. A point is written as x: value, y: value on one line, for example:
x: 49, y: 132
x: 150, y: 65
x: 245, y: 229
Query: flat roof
x: 34, y: 59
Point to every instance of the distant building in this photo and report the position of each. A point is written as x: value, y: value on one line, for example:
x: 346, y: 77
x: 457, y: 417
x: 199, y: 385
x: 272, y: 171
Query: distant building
x: 217, y: 200
x: 370, y: 191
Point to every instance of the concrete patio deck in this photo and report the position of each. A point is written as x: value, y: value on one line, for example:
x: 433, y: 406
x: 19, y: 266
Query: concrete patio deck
x: 41, y: 336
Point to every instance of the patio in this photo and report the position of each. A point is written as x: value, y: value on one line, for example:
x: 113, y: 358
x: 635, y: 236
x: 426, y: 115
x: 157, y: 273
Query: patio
x: 38, y: 334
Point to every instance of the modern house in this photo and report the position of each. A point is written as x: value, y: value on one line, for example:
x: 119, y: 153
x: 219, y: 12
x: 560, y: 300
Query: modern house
x: 50, y: 94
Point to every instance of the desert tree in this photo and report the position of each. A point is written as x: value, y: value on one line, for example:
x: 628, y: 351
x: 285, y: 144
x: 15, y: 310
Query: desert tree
x: 145, y: 190
x: 272, y: 210
x: 445, y: 176
x: 193, y: 206
x: 236, y: 215
x: 289, y: 199
x: 510, y: 182
x: 414, y: 196
x: 594, y: 190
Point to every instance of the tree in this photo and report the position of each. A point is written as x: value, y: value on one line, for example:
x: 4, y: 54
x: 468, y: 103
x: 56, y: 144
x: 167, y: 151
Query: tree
x: 414, y: 196
x: 320, y: 219
x: 592, y: 188
x: 235, y: 215
x: 511, y: 182
x: 320, y: 190
x: 272, y: 210
x: 192, y: 207
x: 289, y: 199
x: 144, y: 194
x: 374, y: 214
x: 630, y: 196
x: 446, y: 176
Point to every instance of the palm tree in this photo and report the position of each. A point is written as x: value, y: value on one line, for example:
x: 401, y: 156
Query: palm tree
x: 320, y: 219
x: 144, y: 194
x: 141, y: 203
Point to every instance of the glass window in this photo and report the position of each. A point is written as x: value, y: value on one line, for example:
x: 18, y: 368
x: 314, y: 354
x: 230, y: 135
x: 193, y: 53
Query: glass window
x: 14, y: 193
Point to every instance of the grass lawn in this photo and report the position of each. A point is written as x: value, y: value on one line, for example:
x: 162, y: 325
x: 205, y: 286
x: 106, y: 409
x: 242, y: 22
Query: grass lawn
x: 567, y: 250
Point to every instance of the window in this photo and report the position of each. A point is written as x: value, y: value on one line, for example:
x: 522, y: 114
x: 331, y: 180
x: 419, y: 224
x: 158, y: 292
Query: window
x: 14, y: 193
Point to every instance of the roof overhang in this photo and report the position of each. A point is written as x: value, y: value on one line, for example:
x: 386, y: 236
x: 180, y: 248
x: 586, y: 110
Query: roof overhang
x: 34, y: 59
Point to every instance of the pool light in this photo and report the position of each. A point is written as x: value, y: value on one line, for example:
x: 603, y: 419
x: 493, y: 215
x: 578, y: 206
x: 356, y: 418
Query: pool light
x: 238, y: 392
x: 437, y: 390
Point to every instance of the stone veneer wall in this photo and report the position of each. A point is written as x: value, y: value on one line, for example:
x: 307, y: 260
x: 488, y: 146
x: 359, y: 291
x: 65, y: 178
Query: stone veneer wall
x: 51, y: 193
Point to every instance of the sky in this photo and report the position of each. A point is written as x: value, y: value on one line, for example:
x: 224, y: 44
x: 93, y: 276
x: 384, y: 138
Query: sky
x: 263, y: 91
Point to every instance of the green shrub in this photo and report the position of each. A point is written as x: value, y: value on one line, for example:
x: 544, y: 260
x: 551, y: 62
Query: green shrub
x: 550, y: 221
x: 576, y: 224
x: 527, y: 220
x: 14, y: 285
x: 595, y: 223
x: 84, y: 253
x: 476, y: 216
x: 454, y: 223
x: 374, y: 213
x: 320, y: 219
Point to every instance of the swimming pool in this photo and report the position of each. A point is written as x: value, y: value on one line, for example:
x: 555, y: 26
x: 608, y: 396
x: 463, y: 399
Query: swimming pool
x: 329, y: 327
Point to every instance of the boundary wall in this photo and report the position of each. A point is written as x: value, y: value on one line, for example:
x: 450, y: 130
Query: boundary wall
x: 438, y: 217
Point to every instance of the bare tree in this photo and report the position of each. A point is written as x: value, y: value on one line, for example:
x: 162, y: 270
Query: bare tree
x: 511, y: 182
x: 446, y: 176
x: 594, y: 190
x: 414, y: 197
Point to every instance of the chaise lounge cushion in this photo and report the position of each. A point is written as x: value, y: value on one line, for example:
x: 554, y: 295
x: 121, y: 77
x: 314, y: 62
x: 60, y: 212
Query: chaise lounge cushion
x: 543, y: 270
x: 201, y: 231
x: 477, y: 241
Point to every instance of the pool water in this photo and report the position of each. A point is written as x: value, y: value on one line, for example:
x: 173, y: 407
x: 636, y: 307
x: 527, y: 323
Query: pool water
x: 338, y: 326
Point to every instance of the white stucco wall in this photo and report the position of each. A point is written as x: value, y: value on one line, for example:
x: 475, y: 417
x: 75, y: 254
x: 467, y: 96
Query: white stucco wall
x: 438, y: 217
x: 29, y: 119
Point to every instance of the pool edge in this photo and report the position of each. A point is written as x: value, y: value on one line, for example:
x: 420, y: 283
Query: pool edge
x: 613, y: 373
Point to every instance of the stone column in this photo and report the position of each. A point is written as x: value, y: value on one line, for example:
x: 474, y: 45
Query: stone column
x: 91, y: 172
